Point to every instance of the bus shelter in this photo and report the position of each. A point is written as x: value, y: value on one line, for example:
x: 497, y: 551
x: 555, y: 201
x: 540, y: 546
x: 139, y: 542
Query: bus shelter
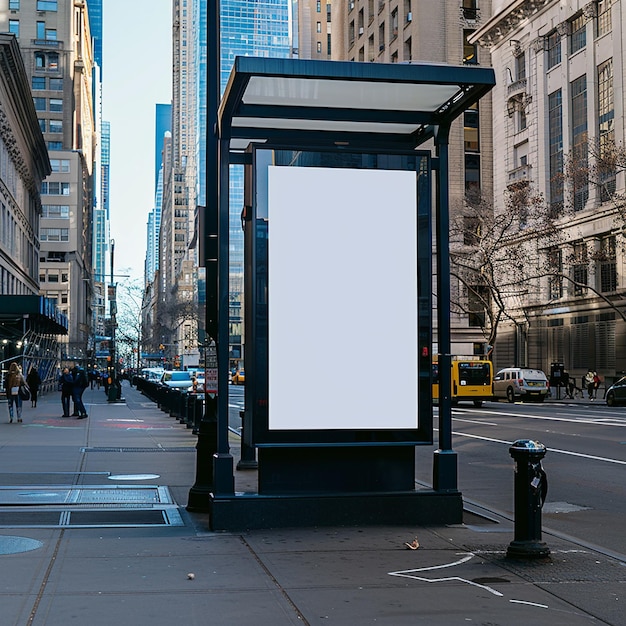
x: 344, y: 165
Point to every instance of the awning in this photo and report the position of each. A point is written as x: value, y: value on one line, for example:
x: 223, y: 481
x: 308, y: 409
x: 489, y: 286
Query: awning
x: 29, y: 312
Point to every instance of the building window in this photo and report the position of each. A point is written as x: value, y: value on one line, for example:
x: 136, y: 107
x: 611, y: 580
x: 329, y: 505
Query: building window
x: 46, y: 5
x: 51, y: 34
x: 608, y: 264
x: 14, y: 27
x: 55, y: 145
x: 580, y: 268
x: 54, y: 234
x: 42, y: 125
x: 580, y: 186
x: 553, y: 52
x: 328, y: 8
x: 55, y: 188
x: 319, y: 27
x: 470, y: 10
x: 578, y: 37
x: 408, y: 53
x: 41, y: 30
x: 394, y: 23
x: 604, y: 23
x: 381, y: 37
x: 472, y: 175
x: 38, y: 83
x: 470, y: 51
x: 472, y: 230
x: 318, y: 6
x: 606, y: 130
x: 555, y: 132
x: 14, y: 5
x: 40, y: 104
x: 555, y: 282
x: 40, y: 60
x: 478, y: 301
x: 53, y: 61
x: 56, y: 84
x: 60, y: 165
x: 520, y: 66
x: 55, y: 211
x: 319, y: 47
x: 56, y: 105
x: 56, y: 126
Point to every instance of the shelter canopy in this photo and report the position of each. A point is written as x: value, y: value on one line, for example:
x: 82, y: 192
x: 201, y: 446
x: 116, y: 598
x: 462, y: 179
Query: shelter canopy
x: 335, y: 103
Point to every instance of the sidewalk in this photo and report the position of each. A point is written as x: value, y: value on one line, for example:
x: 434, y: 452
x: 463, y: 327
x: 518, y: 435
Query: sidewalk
x: 93, y: 532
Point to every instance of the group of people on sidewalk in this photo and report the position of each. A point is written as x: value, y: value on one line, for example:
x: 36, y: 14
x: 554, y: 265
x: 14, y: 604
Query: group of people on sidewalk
x: 19, y: 389
x: 72, y: 383
x: 590, y: 383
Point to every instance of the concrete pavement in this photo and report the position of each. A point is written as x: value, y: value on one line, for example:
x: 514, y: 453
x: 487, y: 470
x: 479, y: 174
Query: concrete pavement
x: 93, y: 531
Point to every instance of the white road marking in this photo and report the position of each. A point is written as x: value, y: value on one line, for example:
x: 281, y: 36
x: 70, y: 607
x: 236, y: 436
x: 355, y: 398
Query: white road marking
x: 410, y: 573
x: 591, y: 457
x: 541, y: 606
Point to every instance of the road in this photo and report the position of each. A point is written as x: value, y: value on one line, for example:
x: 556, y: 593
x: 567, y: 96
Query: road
x: 585, y: 463
x: 235, y: 404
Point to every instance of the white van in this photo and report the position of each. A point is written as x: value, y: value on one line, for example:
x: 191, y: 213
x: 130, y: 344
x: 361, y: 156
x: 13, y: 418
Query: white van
x: 520, y: 383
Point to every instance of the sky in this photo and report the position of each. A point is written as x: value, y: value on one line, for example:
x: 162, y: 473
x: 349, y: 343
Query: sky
x: 137, y: 74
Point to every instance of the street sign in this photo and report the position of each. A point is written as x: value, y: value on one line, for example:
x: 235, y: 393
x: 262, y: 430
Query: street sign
x: 210, y: 369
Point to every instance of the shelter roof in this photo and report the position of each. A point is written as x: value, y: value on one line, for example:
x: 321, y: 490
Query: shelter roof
x: 336, y: 103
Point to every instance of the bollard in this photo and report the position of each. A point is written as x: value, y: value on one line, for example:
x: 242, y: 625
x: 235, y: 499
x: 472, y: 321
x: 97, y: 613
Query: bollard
x: 531, y: 488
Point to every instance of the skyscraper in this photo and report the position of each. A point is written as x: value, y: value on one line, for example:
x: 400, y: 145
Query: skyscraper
x: 55, y: 40
x: 246, y: 29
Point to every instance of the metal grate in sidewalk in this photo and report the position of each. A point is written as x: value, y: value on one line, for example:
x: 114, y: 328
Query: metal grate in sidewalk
x: 87, y: 507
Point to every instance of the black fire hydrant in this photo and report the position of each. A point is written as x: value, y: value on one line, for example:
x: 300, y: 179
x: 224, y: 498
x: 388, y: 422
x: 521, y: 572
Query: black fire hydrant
x: 531, y: 488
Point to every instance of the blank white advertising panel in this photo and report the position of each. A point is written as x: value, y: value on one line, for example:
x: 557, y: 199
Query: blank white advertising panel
x: 342, y: 293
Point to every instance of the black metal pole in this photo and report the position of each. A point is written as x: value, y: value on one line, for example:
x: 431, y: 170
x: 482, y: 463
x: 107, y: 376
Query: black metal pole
x: 199, y: 494
x: 445, y: 460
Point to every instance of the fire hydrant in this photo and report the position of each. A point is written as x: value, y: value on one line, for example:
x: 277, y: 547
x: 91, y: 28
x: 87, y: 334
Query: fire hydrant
x: 531, y: 488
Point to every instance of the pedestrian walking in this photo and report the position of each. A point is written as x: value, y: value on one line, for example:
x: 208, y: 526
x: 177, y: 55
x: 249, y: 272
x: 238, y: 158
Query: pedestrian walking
x: 33, y: 381
x: 66, y: 384
x: 589, y: 383
x: 12, y: 383
x: 596, y: 384
x: 81, y: 382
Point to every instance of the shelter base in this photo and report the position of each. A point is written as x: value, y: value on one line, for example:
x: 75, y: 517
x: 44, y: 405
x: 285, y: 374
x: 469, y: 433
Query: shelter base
x: 249, y: 511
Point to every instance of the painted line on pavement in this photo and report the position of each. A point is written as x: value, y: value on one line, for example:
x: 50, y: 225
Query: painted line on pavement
x: 410, y: 573
x: 567, y: 452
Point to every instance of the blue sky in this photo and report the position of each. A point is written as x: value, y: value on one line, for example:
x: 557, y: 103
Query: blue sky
x: 137, y: 60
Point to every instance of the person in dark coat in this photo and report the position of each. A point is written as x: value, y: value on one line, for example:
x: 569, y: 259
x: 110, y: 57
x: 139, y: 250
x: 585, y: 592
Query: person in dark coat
x: 33, y: 381
x: 81, y: 382
x: 66, y: 382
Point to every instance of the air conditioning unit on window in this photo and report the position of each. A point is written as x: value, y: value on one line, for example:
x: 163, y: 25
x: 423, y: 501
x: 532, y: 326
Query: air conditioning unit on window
x: 360, y: 30
x: 409, y: 17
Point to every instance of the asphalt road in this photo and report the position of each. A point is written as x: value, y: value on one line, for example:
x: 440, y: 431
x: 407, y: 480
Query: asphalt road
x: 585, y: 463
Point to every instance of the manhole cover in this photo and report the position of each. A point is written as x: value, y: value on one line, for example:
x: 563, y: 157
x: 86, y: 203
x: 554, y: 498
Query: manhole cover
x: 15, y: 545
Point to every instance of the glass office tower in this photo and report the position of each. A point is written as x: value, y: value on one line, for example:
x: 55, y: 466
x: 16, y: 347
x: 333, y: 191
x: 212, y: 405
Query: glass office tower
x: 262, y: 29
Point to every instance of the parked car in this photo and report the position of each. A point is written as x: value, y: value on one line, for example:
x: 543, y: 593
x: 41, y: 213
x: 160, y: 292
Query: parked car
x: 520, y: 383
x: 176, y: 379
x: 239, y: 377
x: 616, y: 393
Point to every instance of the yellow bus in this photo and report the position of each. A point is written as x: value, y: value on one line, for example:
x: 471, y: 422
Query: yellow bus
x: 471, y: 380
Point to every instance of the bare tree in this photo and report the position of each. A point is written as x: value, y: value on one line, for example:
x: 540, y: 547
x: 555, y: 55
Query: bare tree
x: 498, y: 256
